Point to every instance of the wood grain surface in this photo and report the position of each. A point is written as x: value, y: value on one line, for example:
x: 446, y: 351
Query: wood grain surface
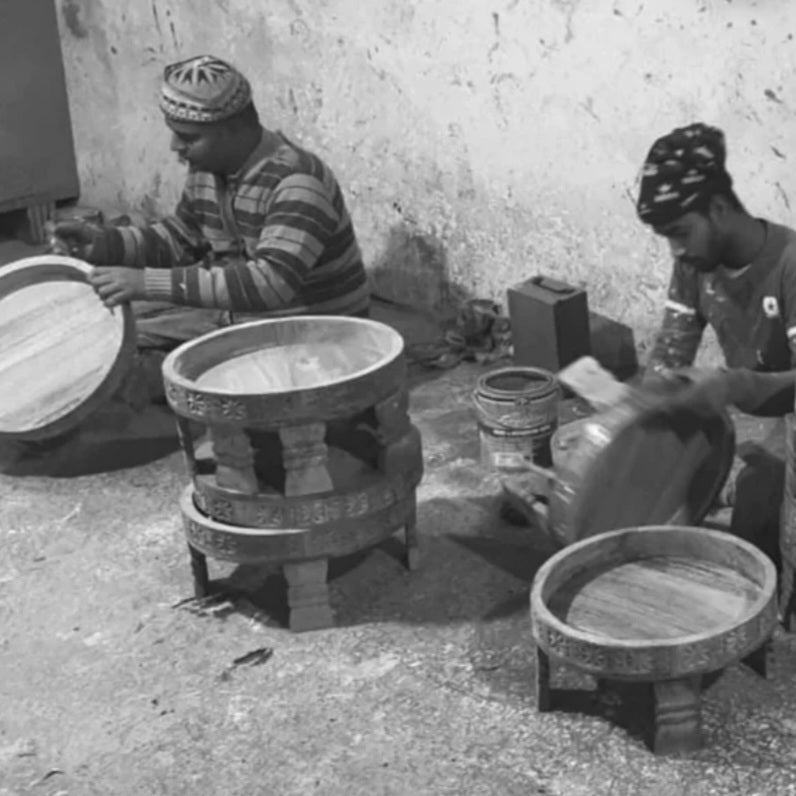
x: 662, y: 597
x: 631, y: 466
x: 284, y: 354
x: 58, y: 343
x: 654, y: 603
x: 291, y: 366
x: 285, y: 371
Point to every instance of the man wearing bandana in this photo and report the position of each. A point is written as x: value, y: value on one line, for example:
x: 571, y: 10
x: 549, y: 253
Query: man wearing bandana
x: 736, y: 273
x: 261, y: 229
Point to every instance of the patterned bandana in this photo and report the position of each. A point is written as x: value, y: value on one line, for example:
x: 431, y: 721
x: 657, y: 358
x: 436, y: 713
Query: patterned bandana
x: 681, y: 167
x: 203, y: 89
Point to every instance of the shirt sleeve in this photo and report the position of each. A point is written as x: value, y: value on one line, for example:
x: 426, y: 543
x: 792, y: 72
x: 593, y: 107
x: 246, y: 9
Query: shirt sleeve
x: 299, y: 221
x: 174, y: 240
x: 789, y: 298
x: 680, y: 334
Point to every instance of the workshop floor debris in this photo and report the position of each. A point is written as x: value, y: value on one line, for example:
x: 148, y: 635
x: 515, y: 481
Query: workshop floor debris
x: 114, y: 680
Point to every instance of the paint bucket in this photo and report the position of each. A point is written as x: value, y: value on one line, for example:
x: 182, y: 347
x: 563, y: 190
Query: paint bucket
x: 517, y: 409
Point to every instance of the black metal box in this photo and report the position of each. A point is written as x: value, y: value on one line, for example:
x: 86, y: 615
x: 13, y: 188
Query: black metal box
x: 549, y: 323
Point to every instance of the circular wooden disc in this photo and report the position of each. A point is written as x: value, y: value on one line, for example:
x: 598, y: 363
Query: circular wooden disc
x: 631, y: 466
x: 340, y: 537
x: 660, y: 600
x: 278, y: 370
x: 62, y: 352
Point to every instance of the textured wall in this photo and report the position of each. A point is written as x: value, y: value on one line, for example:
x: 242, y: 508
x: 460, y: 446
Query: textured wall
x: 478, y: 142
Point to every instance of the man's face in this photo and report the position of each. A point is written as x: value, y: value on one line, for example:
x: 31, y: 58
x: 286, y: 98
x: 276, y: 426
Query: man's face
x: 202, y: 146
x: 695, y: 239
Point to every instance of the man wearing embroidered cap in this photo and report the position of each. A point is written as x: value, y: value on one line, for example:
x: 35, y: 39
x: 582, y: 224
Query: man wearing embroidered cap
x: 261, y: 228
x: 736, y: 273
x: 731, y: 270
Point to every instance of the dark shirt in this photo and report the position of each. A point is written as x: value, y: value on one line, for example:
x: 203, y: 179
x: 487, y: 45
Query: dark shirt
x: 753, y: 312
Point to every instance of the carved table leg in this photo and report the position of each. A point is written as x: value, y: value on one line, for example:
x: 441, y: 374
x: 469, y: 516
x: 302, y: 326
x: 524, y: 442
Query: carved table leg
x: 308, y: 595
x: 787, y: 595
x: 304, y: 455
x: 544, y: 700
x: 400, y: 451
x: 393, y: 431
x: 411, y: 540
x: 234, y: 459
x: 759, y: 660
x: 678, y: 718
x: 201, y: 579
x: 186, y: 443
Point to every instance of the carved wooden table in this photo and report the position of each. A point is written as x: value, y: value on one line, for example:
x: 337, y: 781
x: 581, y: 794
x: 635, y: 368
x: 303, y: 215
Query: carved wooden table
x: 662, y: 605
x: 313, y: 452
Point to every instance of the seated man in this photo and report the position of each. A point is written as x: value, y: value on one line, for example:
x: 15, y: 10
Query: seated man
x: 261, y: 229
x: 736, y: 273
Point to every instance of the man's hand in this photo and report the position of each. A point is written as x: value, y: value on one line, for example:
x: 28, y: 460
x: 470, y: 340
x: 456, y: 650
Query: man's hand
x: 74, y: 238
x: 116, y: 285
x: 702, y: 391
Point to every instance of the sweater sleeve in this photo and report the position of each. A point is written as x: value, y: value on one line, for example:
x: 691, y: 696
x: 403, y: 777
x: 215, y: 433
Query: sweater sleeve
x: 680, y: 334
x: 299, y: 221
x: 788, y: 262
x: 172, y: 241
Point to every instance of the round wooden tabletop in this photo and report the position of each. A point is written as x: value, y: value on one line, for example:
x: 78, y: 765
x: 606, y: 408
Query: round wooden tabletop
x: 654, y: 602
x: 297, y: 368
x: 62, y: 352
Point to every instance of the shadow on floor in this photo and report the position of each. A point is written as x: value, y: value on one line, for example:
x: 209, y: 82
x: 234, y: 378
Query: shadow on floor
x: 469, y: 573
x: 102, y: 444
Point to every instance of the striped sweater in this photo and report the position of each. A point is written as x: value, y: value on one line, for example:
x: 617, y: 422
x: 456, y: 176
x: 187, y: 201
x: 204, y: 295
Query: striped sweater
x: 275, y: 239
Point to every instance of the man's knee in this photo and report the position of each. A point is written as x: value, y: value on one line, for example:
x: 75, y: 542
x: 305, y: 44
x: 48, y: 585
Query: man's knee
x: 162, y: 326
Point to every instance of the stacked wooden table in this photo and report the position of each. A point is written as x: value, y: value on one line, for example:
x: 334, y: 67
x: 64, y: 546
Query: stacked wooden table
x: 313, y: 452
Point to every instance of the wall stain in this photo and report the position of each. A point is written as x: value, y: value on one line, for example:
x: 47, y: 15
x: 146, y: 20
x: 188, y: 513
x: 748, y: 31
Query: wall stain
x: 568, y: 8
x: 172, y: 29
x: 157, y: 19
x: 781, y: 191
x: 772, y: 96
x: 72, y: 17
x: 588, y: 106
x: 778, y: 153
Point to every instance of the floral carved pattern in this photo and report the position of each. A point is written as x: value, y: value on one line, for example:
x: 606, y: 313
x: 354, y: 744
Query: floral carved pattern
x: 709, y: 654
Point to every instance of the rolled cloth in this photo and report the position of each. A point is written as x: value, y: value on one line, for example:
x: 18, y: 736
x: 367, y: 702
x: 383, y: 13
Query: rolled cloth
x: 681, y: 168
x: 203, y: 89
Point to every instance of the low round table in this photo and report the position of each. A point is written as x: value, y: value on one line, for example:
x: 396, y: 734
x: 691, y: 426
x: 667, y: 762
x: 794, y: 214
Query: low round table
x: 662, y: 605
x: 311, y: 451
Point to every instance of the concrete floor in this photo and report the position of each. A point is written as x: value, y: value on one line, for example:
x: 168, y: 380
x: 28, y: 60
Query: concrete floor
x: 109, y: 686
